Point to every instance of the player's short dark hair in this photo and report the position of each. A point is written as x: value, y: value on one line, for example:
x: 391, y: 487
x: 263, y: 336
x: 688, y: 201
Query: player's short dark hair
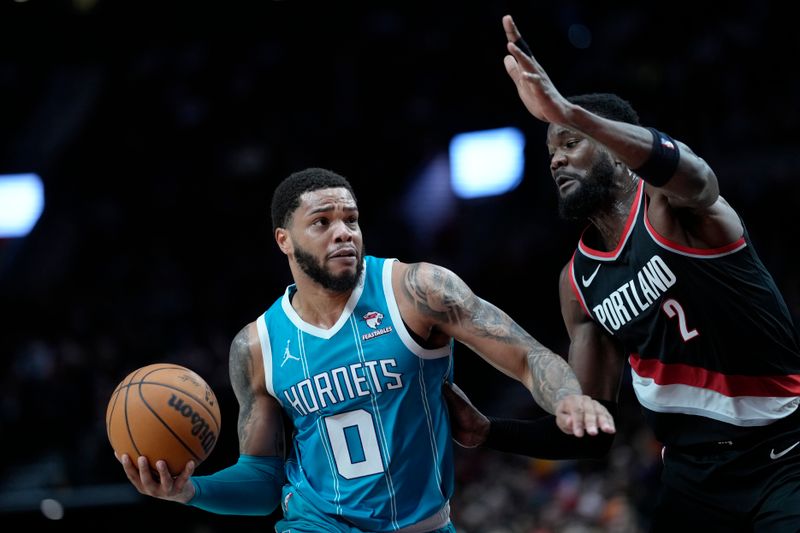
x: 607, y: 105
x: 286, y: 197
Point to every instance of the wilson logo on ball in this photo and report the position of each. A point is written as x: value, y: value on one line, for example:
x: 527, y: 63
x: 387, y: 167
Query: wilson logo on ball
x: 164, y: 411
x: 200, y: 427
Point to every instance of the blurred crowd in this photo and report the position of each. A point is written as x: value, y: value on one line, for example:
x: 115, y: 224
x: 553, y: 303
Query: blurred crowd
x: 159, y: 150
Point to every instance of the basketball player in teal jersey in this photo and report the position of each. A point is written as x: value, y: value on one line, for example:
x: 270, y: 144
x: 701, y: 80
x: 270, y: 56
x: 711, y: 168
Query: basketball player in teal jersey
x: 356, y: 353
x: 666, y: 275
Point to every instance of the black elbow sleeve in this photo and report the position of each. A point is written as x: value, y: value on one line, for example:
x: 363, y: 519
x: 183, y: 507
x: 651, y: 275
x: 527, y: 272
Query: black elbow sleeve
x: 542, y: 438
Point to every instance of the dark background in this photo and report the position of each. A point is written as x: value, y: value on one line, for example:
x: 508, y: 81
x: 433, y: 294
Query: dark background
x: 161, y: 128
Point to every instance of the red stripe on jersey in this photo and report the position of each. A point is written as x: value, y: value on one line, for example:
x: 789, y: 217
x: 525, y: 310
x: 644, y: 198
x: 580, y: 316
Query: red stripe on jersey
x: 729, y: 385
x: 666, y: 243
x: 626, y: 232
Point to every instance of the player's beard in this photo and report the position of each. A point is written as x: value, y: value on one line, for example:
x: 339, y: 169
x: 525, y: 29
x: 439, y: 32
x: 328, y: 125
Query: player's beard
x: 593, y: 193
x: 316, y: 271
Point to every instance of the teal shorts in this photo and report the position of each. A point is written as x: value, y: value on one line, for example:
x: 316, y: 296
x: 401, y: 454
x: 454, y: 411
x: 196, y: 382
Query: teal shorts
x: 299, y: 516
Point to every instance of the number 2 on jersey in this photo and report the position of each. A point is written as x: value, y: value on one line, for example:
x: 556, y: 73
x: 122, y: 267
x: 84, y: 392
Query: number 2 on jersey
x: 671, y: 308
x: 354, y: 444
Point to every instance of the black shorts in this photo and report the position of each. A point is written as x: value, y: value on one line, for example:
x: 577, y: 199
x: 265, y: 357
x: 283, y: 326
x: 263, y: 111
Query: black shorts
x: 732, y: 487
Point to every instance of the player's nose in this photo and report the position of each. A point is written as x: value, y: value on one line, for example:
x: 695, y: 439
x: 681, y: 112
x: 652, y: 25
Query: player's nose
x: 343, y: 232
x: 557, y: 160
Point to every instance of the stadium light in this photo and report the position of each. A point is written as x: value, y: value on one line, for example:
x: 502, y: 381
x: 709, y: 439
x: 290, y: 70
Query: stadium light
x: 21, y: 203
x: 486, y: 163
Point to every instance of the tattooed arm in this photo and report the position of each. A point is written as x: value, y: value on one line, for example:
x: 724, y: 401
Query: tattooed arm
x: 434, y: 302
x: 260, y: 424
x: 251, y: 486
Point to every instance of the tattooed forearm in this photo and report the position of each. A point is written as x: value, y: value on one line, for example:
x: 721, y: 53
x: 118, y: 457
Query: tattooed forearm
x: 241, y: 374
x: 553, y: 379
x: 440, y: 294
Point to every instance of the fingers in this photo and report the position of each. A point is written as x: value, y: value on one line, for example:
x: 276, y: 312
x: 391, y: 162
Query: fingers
x: 518, y: 74
x: 158, y: 481
x: 578, y: 422
x: 606, y: 421
x: 597, y: 418
x: 131, y: 472
x: 528, y: 63
x: 512, y: 68
x: 454, y: 394
x: 574, y: 415
x: 581, y: 415
x: 514, y: 37
x: 455, y: 388
x: 450, y: 396
x: 128, y: 466
x: 184, y: 476
x: 512, y: 33
x: 146, y: 475
x: 164, y: 477
x: 590, y: 421
x: 520, y: 65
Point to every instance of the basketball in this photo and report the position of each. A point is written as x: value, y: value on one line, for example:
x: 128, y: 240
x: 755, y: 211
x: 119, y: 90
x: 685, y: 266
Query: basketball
x: 163, y: 411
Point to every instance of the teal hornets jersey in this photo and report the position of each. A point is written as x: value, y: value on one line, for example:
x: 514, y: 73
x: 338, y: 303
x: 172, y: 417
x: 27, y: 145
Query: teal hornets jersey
x: 372, y: 441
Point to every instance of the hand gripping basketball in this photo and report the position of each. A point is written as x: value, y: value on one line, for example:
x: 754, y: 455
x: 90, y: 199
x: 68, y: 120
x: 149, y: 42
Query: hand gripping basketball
x: 163, y: 412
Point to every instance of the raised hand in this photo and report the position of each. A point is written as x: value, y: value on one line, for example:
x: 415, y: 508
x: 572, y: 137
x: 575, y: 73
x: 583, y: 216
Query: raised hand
x: 534, y: 86
x: 578, y: 413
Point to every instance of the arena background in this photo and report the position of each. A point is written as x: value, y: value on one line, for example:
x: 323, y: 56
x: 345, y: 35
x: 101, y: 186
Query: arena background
x: 160, y: 128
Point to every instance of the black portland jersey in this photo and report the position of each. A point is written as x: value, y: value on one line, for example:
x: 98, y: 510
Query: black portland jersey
x: 712, y: 347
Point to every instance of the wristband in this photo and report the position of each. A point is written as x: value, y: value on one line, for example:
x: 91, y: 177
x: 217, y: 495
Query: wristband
x: 663, y: 161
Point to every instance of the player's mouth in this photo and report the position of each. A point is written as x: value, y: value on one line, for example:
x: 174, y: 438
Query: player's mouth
x: 564, y: 182
x: 345, y: 254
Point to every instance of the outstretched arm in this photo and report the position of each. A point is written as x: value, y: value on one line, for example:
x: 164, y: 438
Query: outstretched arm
x: 252, y: 485
x: 540, y: 437
x: 691, y: 184
x: 598, y: 363
x: 433, y: 299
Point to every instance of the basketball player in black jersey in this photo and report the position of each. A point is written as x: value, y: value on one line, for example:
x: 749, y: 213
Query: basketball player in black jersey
x: 664, y: 275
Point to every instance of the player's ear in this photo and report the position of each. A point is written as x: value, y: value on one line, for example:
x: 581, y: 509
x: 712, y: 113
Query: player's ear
x: 284, y: 240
